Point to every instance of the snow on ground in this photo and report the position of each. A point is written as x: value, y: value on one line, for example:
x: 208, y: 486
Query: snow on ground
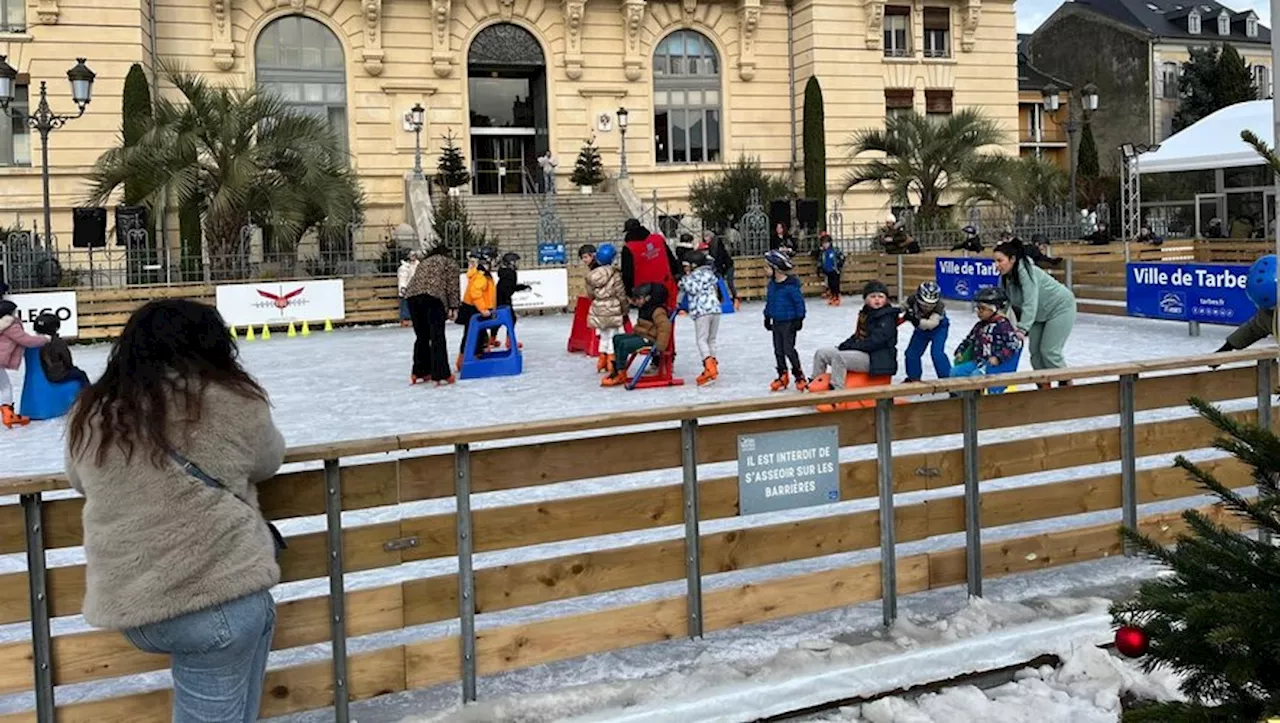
x: 353, y: 384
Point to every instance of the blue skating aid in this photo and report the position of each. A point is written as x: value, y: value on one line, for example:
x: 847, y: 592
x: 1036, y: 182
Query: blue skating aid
x: 496, y: 363
x: 41, y: 398
x: 726, y: 300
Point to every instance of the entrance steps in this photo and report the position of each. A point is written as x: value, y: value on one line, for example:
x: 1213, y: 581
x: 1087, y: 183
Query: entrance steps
x: 514, y: 218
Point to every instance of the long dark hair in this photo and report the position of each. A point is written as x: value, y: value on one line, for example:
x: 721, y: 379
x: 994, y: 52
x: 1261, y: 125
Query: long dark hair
x: 1016, y: 250
x: 169, y: 349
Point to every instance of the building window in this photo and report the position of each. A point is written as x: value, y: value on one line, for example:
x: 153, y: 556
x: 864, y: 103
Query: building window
x: 1251, y: 26
x: 1224, y: 24
x: 686, y: 99
x: 898, y: 101
x: 937, y: 102
x: 1262, y: 81
x: 1193, y: 23
x: 13, y: 16
x: 897, y: 31
x: 302, y: 61
x: 15, y: 136
x: 1168, y: 80
x: 937, y: 33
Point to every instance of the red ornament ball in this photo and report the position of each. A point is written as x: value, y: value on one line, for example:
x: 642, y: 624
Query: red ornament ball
x: 1132, y: 642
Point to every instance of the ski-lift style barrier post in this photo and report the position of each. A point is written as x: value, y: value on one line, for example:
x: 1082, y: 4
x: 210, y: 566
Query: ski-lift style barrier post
x: 692, y: 534
x: 1266, y: 373
x: 972, y: 495
x: 1128, y: 459
x: 888, y: 548
x: 37, y: 570
x: 466, y: 571
x: 337, y: 588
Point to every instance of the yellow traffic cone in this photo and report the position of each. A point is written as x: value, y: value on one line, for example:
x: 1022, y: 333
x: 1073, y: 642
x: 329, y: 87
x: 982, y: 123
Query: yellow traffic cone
x: 306, y: 328
x: 248, y: 333
x: 234, y: 335
x: 292, y: 331
x: 266, y: 332
x: 328, y: 325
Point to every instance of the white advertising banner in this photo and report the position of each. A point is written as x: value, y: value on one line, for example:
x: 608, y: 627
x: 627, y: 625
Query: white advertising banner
x: 281, y: 302
x: 59, y: 303
x: 549, y: 289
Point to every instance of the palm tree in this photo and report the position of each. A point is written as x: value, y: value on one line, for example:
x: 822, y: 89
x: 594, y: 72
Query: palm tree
x: 242, y: 156
x: 928, y: 159
x: 1036, y: 182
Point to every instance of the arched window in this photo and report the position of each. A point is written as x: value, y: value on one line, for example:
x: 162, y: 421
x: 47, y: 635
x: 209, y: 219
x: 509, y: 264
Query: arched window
x: 302, y: 61
x: 686, y: 99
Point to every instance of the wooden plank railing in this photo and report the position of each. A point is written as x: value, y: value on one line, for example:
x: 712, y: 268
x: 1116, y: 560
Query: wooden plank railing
x: 527, y: 456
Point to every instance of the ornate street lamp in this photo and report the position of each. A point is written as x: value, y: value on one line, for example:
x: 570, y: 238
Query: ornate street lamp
x: 622, y: 129
x: 1088, y: 100
x: 417, y: 120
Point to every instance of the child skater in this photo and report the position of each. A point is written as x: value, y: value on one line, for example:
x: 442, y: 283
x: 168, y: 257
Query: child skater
x: 831, y: 261
x: 55, y: 357
x: 608, y: 302
x: 784, y: 316
x: 508, y: 285
x: 873, y: 348
x: 701, y: 288
x: 480, y: 298
x: 13, y: 340
x: 653, y: 328
x: 926, y: 313
x: 993, y: 346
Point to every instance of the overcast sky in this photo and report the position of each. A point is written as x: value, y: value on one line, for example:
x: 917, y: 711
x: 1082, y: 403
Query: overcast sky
x: 1033, y: 12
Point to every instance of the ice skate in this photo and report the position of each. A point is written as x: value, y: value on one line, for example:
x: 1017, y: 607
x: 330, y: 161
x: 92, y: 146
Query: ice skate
x: 820, y: 383
x: 414, y: 381
x: 835, y: 300
x: 405, y: 323
x: 801, y: 383
x: 11, y: 419
x: 782, y: 382
x: 445, y: 382
x: 615, y: 379
x: 710, y: 372
x: 603, y: 363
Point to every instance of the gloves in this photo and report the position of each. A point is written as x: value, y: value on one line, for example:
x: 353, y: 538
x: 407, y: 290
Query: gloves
x: 929, y: 323
x: 768, y: 324
x: 799, y: 324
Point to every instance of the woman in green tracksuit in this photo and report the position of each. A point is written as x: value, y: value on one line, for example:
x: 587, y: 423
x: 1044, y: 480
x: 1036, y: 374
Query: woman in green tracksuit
x: 1045, y: 309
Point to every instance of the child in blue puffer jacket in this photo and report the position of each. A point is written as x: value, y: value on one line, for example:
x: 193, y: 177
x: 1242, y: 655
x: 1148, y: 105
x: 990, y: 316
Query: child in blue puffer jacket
x: 784, y: 316
x: 831, y: 261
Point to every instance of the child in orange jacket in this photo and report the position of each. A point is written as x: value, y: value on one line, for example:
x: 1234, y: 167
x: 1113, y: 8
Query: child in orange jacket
x: 480, y: 298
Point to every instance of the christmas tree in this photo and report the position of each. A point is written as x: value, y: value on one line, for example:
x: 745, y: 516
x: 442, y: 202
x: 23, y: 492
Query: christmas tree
x: 1216, y: 619
x: 589, y: 170
x: 452, y: 166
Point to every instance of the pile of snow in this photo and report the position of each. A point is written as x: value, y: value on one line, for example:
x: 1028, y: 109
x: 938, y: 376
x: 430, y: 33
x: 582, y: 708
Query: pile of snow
x: 985, y: 635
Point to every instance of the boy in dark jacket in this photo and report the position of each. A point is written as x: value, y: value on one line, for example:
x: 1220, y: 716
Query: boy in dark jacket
x: 873, y: 348
x: 993, y: 346
x: 508, y: 285
x: 831, y: 261
x: 653, y: 328
x: 55, y: 357
x: 784, y: 316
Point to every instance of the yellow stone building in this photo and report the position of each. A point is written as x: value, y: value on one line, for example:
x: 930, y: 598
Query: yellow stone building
x: 702, y: 80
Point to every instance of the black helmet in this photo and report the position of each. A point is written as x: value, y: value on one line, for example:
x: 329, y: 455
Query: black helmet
x: 510, y: 260
x: 992, y: 296
x: 779, y: 260
x: 47, y: 324
x: 696, y: 258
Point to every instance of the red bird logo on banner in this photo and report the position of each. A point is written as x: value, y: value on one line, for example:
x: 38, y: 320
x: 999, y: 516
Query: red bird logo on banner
x: 281, y: 302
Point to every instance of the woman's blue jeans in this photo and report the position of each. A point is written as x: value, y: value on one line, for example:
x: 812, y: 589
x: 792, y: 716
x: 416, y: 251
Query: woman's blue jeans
x: 920, y: 340
x: 218, y: 656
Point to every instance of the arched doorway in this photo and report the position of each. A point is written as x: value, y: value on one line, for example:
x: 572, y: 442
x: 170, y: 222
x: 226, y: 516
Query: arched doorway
x: 302, y: 61
x: 507, y: 84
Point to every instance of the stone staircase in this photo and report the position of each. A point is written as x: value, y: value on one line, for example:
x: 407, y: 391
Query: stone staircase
x: 514, y: 218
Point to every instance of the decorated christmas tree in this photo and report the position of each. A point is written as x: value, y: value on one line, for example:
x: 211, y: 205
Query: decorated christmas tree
x: 452, y: 167
x: 1216, y: 618
x: 589, y: 170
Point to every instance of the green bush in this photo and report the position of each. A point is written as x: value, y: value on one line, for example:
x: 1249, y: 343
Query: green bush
x: 722, y: 199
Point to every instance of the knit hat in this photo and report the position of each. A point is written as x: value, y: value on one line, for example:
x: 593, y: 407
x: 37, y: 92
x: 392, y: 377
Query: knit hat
x: 874, y: 287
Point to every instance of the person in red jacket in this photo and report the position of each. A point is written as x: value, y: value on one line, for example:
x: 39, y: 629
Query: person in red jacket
x: 646, y: 259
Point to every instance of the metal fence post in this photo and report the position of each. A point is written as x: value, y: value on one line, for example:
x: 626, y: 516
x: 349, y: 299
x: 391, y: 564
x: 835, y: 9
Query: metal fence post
x: 972, y: 495
x: 692, y: 546
x: 1266, y: 370
x: 337, y: 588
x: 1193, y: 328
x: 466, y: 578
x: 37, y: 585
x: 888, y: 551
x: 900, y: 281
x: 1128, y: 458
x: 1071, y: 274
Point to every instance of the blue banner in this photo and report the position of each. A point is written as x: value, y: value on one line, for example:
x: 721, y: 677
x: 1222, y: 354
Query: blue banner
x: 1208, y: 293
x: 960, y: 278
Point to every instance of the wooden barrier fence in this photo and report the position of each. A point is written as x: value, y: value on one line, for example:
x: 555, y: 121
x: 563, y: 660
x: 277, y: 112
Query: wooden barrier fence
x: 673, y: 443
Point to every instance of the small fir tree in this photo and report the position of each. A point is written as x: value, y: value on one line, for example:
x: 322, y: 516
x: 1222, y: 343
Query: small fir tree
x: 452, y: 167
x: 589, y: 170
x: 1211, y: 80
x: 1088, y: 159
x: 1216, y: 619
x: 135, y: 107
x: 815, y: 148
x: 452, y: 226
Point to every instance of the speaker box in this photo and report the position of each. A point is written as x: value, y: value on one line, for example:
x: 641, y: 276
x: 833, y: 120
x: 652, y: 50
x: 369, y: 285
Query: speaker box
x: 130, y: 220
x: 807, y: 213
x: 779, y: 213
x: 89, y: 228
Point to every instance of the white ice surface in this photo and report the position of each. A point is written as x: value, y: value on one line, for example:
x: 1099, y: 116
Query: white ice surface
x: 353, y: 384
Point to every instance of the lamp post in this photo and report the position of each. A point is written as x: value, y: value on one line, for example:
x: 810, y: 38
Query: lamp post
x: 417, y: 120
x: 1088, y: 104
x: 622, y: 143
x: 44, y: 120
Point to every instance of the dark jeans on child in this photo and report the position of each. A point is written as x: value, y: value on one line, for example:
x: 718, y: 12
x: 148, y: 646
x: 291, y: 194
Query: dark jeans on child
x: 833, y: 283
x: 624, y: 345
x: 784, y: 346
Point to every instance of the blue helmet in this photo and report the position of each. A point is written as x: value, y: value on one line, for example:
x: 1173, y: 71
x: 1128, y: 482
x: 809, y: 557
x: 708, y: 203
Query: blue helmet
x: 606, y: 254
x: 1261, y: 285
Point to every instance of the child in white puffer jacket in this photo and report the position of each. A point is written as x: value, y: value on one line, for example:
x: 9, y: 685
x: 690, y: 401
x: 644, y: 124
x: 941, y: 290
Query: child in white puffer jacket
x: 700, y: 289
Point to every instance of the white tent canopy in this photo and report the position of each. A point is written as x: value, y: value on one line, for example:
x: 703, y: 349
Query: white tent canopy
x: 1213, y: 141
